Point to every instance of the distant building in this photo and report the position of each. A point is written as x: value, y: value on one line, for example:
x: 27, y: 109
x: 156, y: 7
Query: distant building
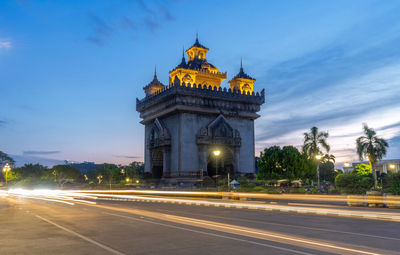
x: 382, y: 166
x: 192, y: 117
x: 85, y: 167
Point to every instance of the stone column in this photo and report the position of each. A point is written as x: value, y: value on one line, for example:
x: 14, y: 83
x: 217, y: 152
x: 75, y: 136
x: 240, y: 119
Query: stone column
x: 237, y: 160
x: 203, y: 159
x: 166, y: 166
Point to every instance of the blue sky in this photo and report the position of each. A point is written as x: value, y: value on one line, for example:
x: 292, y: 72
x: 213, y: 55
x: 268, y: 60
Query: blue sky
x: 70, y: 70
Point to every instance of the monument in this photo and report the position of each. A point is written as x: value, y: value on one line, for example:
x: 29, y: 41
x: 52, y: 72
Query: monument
x: 195, y: 127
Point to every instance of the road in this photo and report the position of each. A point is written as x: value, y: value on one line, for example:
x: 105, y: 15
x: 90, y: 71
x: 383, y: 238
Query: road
x: 30, y: 226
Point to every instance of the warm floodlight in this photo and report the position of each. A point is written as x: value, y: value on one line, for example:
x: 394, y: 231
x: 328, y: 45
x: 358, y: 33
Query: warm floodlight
x: 137, y: 181
x: 217, y: 152
x: 6, y: 169
x: 127, y: 179
x: 318, y: 157
x: 392, y: 166
x: 346, y: 164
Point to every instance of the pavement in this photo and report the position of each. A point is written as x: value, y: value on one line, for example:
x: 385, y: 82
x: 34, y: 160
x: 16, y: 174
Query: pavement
x: 31, y: 226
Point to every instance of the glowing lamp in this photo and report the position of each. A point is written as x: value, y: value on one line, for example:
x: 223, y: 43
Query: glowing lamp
x: 217, y: 152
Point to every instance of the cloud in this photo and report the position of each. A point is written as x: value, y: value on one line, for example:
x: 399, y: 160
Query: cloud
x: 3, y: 123
x: 95, y: 40
x: 126, y: 157
x: 22, y: 160
x: 40, y: 152
x: 351, y: 80
x: 4, y: 44
x: 152, y: 16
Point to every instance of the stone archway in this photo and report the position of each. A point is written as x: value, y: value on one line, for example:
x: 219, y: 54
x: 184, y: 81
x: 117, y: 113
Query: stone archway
x: 157, y: 166
x: 220, y: 165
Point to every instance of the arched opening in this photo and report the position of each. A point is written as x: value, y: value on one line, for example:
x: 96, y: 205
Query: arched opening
x: 157, y: 164
x: 220, y: 165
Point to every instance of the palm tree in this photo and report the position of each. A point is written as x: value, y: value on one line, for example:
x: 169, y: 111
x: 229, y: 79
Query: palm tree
x: 371, y: 147
x: 329, y: 158
x: 313, y: 140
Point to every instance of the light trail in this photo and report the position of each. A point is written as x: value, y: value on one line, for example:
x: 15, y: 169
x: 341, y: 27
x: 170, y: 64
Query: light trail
x: 243, y: 231
x: 70, y: 197
x: 84, y: 196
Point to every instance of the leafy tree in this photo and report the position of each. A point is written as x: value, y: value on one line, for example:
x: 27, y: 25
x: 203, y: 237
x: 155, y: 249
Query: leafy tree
x: 135, y: 169
x: 363, y: 169
x: 349, y: 183
x: 313, y: 140
x: 4, y: 158
x: 372, y: 147
x: 392, y: 183
x: 269, y: 164
x: 31, y: 174
x: 286, y: 163
x: 66, y: 173
x: 109, y: 172
x: 327, y: 171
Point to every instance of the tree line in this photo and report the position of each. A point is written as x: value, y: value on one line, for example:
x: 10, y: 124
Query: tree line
x: 61, y: 175
x: 315, y: 161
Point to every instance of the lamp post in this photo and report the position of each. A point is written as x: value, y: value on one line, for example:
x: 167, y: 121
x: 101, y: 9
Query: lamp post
x: 6, y: 169
x: 318, y: 158
x: 216, y: 154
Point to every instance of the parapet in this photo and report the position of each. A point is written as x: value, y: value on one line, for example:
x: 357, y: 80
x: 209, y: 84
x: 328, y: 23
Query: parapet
x: 202, y: 91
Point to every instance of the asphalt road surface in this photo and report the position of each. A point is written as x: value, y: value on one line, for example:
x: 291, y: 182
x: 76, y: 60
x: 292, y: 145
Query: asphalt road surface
x: 126, y: 227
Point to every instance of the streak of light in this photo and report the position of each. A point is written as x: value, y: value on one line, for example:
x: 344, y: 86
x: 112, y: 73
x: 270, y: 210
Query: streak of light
x: 243, y: 231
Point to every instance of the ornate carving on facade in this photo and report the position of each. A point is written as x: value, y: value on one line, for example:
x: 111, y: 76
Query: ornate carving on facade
x: 218, y: 132
x: 159, y: 135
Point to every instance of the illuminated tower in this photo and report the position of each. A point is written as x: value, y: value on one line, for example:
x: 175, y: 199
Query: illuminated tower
x: 242, y: 82
x: 193, y: 117
x: 197, y: 69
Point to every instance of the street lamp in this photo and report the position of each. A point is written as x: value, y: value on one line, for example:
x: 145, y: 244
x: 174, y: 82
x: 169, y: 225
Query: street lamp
x: 216, y: 154
x: 392, y: 166
x: 100, y: 178
x: 318, y: 157
x: 127, y: 179
x: 6, y: 169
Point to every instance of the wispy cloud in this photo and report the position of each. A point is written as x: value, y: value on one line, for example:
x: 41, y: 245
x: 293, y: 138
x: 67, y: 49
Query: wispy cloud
x: 152, y: 16
x: 336, y: 88
x: 3, y: 123
x: 40, y: 152
x: 5, y: 44
x: 126, y: 157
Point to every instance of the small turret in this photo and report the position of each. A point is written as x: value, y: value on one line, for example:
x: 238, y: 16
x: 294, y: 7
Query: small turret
x: 154, y: 86
x: 197, y: 50
x: 242, y: 82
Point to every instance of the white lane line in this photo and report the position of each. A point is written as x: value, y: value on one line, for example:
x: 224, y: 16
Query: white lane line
x: 82, y: 236
x: 283, y: 225
x: 212, y: 234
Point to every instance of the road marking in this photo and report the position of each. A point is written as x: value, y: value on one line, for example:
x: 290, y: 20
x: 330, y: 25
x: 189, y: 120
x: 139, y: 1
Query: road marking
x: 284, y: 225
x: 211, y: 234
x: 82, y: 236
x: 242, y: 231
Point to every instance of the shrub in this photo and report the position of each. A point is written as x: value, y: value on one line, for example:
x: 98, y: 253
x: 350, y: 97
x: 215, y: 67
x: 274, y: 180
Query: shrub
x: 392, y: 183
x: 353, y: 183
x: 243, y: 181
x: 208, y: 182
x: 258, y: 189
